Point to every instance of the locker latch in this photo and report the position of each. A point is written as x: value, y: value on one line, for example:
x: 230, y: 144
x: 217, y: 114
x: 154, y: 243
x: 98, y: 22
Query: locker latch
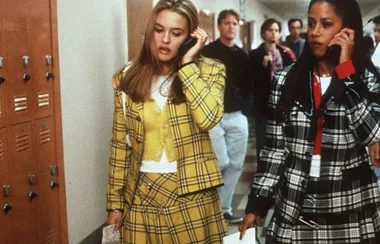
x: 26, y: 77
x: 53, y: 170
x: 7, y: 190
x: 49, y: 75
x: 1, y: 62
x: 26, y: 60
x: 32, y: 195
x: 7, y: 207
x: 53, y: 184
x: 49, y: 60
x: 32, y: 179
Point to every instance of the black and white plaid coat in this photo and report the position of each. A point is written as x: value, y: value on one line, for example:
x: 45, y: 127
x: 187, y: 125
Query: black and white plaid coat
x: 346, y: 182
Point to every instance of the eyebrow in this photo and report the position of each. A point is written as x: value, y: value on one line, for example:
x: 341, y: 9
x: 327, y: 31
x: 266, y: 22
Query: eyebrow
x: 179, y: 29
x: 323, y: 19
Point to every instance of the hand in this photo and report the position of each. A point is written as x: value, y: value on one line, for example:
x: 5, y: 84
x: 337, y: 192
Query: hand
x: 345, y: 39
x: 201, y: 36
x: 374, y: 154
x: 115, y: 218
x: 267, y: 59
x: 250, y: 220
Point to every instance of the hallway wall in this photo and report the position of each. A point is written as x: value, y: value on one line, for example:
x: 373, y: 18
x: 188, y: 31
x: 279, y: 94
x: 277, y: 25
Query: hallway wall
x: 92, y: 46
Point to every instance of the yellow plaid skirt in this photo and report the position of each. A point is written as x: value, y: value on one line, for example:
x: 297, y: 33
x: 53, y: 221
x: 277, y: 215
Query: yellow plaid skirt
x: 159, y: 216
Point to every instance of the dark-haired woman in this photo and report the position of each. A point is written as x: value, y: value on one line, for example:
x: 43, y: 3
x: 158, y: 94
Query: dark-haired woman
x: 324, y: 111
x: 163, y: 173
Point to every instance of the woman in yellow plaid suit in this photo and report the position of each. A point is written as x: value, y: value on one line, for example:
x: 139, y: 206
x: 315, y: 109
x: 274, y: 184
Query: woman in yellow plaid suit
x: 162, y: 169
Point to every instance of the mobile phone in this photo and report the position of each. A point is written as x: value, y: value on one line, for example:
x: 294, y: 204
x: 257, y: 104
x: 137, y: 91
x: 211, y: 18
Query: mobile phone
x: 186, y: 45
x: 333, y: 54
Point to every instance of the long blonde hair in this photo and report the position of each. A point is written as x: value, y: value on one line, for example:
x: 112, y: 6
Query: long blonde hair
x: 138, y: 79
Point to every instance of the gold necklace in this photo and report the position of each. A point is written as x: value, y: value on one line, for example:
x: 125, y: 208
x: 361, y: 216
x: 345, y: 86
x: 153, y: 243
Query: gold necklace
x: 325, y: 75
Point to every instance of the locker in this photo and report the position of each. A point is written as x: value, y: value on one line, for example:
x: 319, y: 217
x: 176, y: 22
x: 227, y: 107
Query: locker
x: 4, y: 230
x: 41, y: 48
x: 3, y: 76
x: 20, y: 80
x: 48, y: 203
x: 24, y: 219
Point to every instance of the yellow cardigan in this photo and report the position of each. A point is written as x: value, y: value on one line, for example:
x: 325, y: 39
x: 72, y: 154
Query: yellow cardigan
x: 197, y: 168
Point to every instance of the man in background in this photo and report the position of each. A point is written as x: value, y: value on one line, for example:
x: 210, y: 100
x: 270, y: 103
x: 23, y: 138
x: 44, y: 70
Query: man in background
x: 230, y: 136
x: 376, y: 30
x: 294, y: 40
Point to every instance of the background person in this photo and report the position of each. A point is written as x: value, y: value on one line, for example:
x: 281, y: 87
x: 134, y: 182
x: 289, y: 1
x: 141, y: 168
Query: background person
x: 294, y: 40
x: 267, y: 59
x: 230, y: 137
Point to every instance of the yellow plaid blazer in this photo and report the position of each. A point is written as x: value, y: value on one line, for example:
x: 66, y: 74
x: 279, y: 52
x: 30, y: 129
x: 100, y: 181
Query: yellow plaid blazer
x: 197, y: 168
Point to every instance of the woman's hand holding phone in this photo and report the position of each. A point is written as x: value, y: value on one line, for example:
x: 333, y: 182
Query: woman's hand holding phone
x: 201, y: 37
x: 345, y: 40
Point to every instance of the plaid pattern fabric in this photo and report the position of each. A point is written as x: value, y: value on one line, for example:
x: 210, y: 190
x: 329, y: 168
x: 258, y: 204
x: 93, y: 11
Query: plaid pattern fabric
x: 355, y: 227
x: 158, y: 215
x: 346, y: 183
x: 203, y: 86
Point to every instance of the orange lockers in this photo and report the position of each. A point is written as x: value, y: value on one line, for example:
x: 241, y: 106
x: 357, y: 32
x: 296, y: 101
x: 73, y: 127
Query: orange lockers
x: 31, y: 164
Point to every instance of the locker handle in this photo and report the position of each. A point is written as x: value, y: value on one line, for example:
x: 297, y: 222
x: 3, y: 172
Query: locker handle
x: 2, y: 80
x: 53, y: 170
x: 7, y: 207
x: 49, y: 60
x: 32, y: 179
x: 26, y: 60
x: 32, y: 195
x: 49, y: 75
x: 53, y: 184
x: 7, y: 190
x: 26, y: 77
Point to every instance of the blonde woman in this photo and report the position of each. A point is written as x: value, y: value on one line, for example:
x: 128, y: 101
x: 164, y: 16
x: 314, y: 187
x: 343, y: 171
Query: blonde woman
x: 162, y: 171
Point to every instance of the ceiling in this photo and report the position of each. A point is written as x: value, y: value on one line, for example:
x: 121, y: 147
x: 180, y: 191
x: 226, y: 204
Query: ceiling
x: 298, y: 8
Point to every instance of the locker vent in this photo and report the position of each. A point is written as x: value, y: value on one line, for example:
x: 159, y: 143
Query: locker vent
x: 20, y: 103
x: 45, y: 136
x: 22, y: 143
x: 43, y: 99
x: 2, y: 153
x: 50, y: 238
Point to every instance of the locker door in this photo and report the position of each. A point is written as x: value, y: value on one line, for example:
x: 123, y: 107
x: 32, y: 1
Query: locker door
x: 4, y: 217
x: 3, y: 77
x: 24, y: 226
x: 48, y: 204
x: 18, y: 40
x: 42, y: 69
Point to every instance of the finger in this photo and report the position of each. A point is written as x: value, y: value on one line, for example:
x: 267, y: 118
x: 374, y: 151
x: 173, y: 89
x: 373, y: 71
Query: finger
x: 372, y: 153
x: 377, y: 151
x: 242, y: 231
x: 376, y: 155
x: 202, y: 32
x: 344, y: 36
x: 200, y: 38
x: 350, y: 33
x: 117, y: 225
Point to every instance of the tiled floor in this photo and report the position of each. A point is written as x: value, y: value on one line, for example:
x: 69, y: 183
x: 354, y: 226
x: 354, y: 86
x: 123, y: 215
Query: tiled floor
x: 243, y: 188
